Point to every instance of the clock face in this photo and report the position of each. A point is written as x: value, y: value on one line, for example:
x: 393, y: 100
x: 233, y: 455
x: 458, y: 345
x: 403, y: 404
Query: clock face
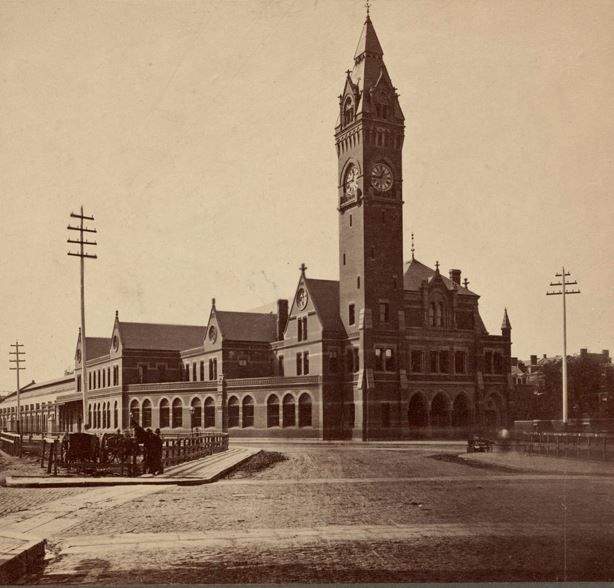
x: 381, y: 177
x: 350, y: 184
x: 301, y: 298
x: 212, y: 334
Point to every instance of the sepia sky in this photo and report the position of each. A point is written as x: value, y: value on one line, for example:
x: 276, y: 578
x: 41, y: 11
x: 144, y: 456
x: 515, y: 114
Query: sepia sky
x: 200, y: 135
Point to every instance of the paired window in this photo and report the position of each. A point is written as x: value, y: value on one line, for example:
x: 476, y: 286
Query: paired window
x: 436, y: 314
x: 417, y: 361
x: 440, y: 361
x: 302, y: 363
x: 384, y: 359
x: 280, y: 365
x: 302, y: 328
x: 460, y: 362
x: 213, y: 369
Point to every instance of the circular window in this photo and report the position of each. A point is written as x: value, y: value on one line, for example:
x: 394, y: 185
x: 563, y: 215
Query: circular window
x: 302, y: 298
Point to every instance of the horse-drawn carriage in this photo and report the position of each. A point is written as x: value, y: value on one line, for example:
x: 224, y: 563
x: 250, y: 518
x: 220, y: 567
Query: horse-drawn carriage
x: 108, y: 454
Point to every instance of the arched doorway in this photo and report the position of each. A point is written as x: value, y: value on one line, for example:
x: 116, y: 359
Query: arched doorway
x: 492, y: 411
x: 289, y: 411
x: 440, y: 415
x: 417, y: 416
x: 461, y: 413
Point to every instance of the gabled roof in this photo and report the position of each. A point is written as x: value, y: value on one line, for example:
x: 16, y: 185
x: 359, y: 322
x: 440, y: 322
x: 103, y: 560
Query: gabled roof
x: 416, y: 273
x: 325, y: 298
x: 247, y: 326
x: 160, y: 336
x: 97, y: 347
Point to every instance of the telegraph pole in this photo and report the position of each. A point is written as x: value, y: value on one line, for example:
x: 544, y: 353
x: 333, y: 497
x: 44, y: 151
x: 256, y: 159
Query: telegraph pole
x: 18, y: 367
x: 83, y: 255
x: 564, y: 292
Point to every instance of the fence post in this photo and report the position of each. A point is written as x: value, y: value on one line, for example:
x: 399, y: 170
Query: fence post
x: 50, y: 460
x: 55, y: 457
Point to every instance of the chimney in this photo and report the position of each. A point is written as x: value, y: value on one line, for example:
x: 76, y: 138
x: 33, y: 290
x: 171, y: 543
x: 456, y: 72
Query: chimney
x: 606, y: 355
x: 514, y: 361
x: 534, y: 360
x: 583, y: 351
x: 282, y: 318
x: 455, y: 276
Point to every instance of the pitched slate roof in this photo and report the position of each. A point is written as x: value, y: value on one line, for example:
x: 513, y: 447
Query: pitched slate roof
x: 247, y: 326
x: 325, y: 298
x: 97, y: 347
x: 160, y: 336
x: 416, y: 273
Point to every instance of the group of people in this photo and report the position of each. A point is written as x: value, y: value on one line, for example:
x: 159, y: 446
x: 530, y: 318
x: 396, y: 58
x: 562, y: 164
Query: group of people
x: 152, y: 444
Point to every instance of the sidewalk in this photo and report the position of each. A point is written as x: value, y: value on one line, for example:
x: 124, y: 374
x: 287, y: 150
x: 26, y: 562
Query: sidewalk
x: 514, y: 460
x: 21, y: 551
x: 201, y: 471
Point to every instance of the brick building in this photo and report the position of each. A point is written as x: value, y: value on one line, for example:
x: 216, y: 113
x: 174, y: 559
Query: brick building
x: 391, y: 350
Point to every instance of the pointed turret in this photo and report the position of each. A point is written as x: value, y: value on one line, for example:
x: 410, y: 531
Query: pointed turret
x: 368, y: 42
x: 506, y: 326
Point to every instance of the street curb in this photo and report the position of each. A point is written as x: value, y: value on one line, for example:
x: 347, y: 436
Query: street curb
x: 529, y: 468
x: 67, y: 482
x: 16, y: 562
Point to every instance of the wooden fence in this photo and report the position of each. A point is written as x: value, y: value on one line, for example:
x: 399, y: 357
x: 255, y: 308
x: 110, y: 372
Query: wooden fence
x: 175, y: 450
x: 10, y: 443
x: 578, y: 445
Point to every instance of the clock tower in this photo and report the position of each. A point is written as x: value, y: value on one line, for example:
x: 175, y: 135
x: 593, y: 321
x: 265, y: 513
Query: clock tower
x: 369, y: 141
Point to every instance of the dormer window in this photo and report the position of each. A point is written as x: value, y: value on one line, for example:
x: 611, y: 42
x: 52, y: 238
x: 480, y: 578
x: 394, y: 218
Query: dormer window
x: 348, y: 111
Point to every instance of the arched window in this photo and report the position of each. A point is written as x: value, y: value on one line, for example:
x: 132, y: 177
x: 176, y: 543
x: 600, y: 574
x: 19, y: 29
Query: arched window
x: 439, y: 314
x: 209, y: 412
x: 89, y: 415
x: 104, y: 416
x: 289, y: 414
x: 98, y: 419
x: 177, y: 413
x: 248, y: 411
x: 304, y: 410
x: 272, y: 411
x: 432, y: 314
x: 233, y: 412
x: 146, y: 413
x: 348, y: 111
x: 164, y: 413
x: 108, y: 415
x: 115, y: 415
x: 135, y: 411
x: 196, y: 412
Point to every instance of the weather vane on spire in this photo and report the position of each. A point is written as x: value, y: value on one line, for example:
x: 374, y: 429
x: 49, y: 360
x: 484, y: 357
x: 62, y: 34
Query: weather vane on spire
x: 412, y: 246
x: 368, y: 6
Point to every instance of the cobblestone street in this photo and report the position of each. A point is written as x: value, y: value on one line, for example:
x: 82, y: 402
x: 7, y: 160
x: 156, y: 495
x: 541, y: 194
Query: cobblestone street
x: 340, y: 513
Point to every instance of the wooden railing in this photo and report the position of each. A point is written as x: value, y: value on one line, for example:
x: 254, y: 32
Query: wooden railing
x: 10, y: 443
x: 181, y: 449
x: 175, y: 450
x: 578, y: 445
